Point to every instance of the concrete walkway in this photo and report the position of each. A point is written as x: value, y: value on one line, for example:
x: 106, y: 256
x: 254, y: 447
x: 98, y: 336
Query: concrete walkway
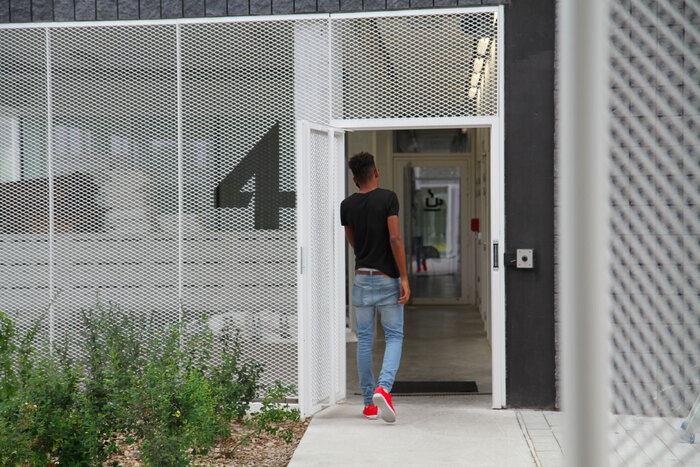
x: 465, y: 431
x: 430, y: 431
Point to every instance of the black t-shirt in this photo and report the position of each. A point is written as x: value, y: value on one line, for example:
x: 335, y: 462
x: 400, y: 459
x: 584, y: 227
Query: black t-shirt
x: 366, y: 215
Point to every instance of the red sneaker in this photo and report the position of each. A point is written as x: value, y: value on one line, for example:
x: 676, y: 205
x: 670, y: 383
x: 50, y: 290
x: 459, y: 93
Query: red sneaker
x: 370, y: 412
x: 382, y: 399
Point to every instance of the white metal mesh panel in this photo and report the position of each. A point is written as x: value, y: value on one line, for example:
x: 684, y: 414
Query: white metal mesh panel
x: 240, y: 105
x: 321, y: 217
x: 24, y: 194
x: 321, y: 169
x: 656, y: 228
x: 113, y: 98
x: 149, y: 124
x: 415, y: 66
x: 339, y: 278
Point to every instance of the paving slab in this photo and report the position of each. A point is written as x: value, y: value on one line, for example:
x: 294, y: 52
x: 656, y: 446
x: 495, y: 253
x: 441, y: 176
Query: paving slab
x: 430, y: 431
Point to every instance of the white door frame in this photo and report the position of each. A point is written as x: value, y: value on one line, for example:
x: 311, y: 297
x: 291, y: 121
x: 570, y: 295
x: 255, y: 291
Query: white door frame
x: 498, y: 241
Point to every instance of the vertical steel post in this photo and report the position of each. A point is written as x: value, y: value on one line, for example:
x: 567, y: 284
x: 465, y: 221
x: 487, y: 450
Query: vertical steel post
x: 50, y: 188
x: 496, y: 229
x: 333, y: 370
x: 180, y: 181
x: 584, y: 226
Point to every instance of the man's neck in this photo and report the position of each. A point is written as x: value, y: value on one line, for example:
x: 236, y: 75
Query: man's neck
x: 366, y: 188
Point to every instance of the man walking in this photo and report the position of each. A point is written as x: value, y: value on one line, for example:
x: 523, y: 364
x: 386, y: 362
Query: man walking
x: 371, y: 220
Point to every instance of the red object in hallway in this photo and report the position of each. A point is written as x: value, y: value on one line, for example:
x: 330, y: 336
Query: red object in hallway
x: 475, y: 225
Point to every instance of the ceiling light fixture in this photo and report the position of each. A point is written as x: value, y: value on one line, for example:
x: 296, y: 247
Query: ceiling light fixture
x: 475, y: 80
x: 478, y: 64
x: 482, y: 45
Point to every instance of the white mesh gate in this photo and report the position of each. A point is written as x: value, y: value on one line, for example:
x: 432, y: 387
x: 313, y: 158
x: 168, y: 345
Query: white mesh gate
x: 649, y: 366
x: 655, y: 189
x: 322, y: 265
x: 147, y: 174
x: 153, y: 163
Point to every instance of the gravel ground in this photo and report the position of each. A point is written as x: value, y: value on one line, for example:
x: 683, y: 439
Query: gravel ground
x: 265, y: 450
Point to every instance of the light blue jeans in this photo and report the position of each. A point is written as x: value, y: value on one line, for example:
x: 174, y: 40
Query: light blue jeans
x: 368, y: 292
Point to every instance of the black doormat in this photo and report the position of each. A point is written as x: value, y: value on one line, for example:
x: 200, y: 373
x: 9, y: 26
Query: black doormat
x: 434, y: 387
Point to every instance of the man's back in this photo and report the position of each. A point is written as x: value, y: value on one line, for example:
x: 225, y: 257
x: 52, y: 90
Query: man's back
x: 366, y: 214
x: 371, y: 220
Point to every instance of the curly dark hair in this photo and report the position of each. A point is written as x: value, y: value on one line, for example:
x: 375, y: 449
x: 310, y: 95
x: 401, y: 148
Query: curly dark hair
x: 362, y: 166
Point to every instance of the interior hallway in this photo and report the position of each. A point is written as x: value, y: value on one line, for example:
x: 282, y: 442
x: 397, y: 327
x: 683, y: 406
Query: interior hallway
x: 441, y: 343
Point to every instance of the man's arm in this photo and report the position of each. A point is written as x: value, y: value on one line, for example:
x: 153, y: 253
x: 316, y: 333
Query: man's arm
x: 397, y: 248
x: 350, y: 237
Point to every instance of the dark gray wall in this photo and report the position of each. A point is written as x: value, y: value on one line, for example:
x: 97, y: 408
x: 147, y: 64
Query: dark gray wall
x: 22, y: 11
x: 529, y: 201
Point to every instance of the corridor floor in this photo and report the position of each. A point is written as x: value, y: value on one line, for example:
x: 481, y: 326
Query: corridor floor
x: 441, y: 343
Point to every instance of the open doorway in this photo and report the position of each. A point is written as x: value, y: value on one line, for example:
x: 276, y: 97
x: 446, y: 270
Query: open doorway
x: 442, y: 179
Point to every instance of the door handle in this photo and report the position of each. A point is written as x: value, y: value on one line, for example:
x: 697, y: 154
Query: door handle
x: 495, y: 256
x: 301, y: 260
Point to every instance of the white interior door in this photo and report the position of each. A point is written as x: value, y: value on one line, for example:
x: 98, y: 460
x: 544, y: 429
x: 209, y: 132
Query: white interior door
x: 321, y: 275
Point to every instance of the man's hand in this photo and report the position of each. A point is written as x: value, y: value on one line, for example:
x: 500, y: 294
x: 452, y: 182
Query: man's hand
x: 405, y: 292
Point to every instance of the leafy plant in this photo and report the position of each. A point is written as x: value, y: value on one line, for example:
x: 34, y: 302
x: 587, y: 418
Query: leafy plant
x: 235, y: 383
x: 8, y: 378
x: 174, y: 393
x: 174, y: 405
x: 273, y: 413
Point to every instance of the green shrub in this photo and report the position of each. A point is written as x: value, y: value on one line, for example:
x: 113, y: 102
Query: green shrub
x: 8, y: 378
x: 235, y: 384
x: 175, y: 393
x: 273, y: 413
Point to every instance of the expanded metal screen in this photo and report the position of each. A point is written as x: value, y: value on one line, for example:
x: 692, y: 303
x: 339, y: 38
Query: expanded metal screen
x: 153, y: 164
x: 655, y: 155
x: 320, y: 265
x: 25, y: 274
x: 394, y: 67
x: 239, y: 225
x: 323, y: 265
